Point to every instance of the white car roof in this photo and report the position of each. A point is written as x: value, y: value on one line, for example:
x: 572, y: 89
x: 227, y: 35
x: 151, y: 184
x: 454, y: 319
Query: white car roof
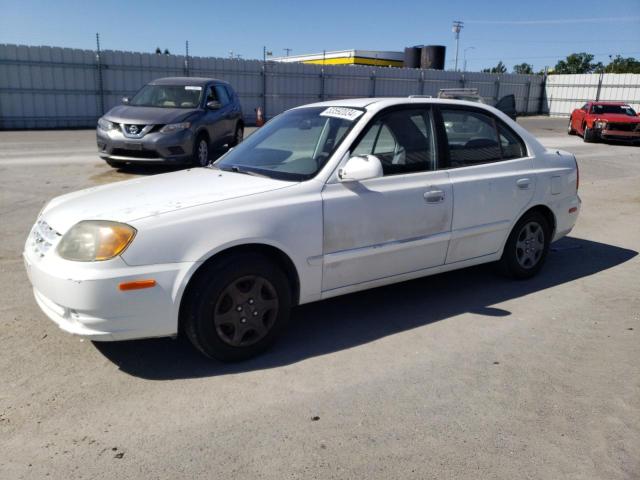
x: 375, y: 104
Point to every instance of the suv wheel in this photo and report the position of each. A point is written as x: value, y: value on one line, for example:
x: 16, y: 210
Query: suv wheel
x: 236, y: 308
x: 201, y: 151
x: 527, y: 246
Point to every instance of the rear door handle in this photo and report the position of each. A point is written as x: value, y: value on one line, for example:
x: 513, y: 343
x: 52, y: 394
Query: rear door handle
x: 523, y: 183
x: 434, y: 196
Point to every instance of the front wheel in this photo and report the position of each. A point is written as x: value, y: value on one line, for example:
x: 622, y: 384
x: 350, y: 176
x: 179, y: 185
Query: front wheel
x: 236, y: 308
x: 589, y: 135
x: 527, y: 246
x: 570, y: 130
x: 201, y: 151
x: 238, y: 136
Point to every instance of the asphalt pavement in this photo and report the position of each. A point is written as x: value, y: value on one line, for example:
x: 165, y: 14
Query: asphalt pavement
x: 465, y: 375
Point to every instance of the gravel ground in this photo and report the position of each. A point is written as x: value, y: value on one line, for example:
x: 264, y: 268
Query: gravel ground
x: 464, y: 375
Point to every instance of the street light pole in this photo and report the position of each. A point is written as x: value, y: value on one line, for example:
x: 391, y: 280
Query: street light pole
x: 457, y: 26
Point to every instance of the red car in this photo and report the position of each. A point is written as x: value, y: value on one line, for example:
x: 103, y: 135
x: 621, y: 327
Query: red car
x: 605, y: 120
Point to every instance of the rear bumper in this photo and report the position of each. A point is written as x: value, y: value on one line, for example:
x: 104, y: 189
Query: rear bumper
x: 154, y: 147
x: 566, y: 212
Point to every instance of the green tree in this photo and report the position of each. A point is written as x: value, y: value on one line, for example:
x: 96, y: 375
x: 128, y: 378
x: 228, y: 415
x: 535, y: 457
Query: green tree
x: 523, y: 68
x: 500, y: 68
x: 158, y: 51
x: 166, y: 51
x: 578, y: 63
x: 623, y: 65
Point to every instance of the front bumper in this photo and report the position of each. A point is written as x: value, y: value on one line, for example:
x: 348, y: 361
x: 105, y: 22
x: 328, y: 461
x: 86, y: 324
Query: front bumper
x: 624, y: 135
x: 83, y: 298
x: 154, y: 147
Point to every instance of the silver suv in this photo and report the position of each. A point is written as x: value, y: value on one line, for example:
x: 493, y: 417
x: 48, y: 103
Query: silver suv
x: 171, y: 120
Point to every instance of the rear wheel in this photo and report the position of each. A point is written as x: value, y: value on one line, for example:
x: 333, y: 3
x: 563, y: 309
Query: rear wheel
x: 236, y: 308
x: 201, y: 151
x: 527, y: 246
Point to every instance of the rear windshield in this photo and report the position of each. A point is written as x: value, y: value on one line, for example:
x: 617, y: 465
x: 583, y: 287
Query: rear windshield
x: 168, y: 96
x: 619, y: 109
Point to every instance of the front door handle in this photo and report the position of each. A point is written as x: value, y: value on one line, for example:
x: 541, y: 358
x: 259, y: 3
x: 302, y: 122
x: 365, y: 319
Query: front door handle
x: 434, y: 196
x: 523, y: 183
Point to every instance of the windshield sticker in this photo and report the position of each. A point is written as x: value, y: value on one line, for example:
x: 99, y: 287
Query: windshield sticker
x: 188, y: 87
x: 344, y: 113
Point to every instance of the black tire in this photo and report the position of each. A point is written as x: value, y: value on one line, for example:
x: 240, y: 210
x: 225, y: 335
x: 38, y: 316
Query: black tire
x: 238, y: 136
x: 233, y: 329
x: 199, y: 158
x: 523, y: 256
x: 589, y: 136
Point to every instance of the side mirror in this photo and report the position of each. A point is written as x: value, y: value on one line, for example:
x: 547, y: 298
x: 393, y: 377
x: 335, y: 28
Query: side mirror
x: 361, y: 167
x: 125, y: 100
x: 214, y: 105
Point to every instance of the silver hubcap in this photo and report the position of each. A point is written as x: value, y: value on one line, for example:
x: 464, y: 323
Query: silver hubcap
x: 245, y: 311
x: 203, y: 153
x: 530, y: 245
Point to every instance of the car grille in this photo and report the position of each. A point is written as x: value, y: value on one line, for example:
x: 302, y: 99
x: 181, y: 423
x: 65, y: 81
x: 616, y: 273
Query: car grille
x: 42, y: 238
x: 623, y: 127
x: 123, y: 152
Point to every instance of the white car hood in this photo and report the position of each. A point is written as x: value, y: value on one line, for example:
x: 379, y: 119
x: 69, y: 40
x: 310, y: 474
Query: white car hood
x: 143, y: 197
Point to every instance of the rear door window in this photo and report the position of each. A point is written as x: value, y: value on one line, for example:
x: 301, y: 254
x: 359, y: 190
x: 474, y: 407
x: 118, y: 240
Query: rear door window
x: 472, y: 137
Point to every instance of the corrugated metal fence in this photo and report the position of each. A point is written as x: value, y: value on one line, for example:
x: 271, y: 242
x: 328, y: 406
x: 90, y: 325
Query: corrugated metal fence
x: 567, y: 92
x: 52, y: 87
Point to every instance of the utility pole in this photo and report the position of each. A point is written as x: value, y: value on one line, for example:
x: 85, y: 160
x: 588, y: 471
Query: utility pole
x: 288, y: 50
x: 457, y: 26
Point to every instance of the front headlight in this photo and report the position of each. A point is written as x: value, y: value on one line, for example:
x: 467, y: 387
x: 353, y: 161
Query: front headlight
x: 95, y: 240
x: 105, y: 124
x: 600, y: 124
x: 175, y: 127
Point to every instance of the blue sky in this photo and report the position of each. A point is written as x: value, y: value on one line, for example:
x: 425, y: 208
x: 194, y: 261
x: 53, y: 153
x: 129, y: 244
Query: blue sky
x: 538, y: 32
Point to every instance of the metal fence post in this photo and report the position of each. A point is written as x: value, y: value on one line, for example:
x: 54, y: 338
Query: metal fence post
x: 599, y: 86
x: 462, y: 80
x: 99, y: 66
x: 497, y: 95
x: 422, y: 82
x: 543, y: 92
x: 373, y: 83
x: 264, y: 90
x: 526, y: 105
x: 186, y: 59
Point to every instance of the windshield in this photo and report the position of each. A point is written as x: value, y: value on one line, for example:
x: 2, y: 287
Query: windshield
x: 168, y: 96
x: 619, y: 109
x: 294, y: 145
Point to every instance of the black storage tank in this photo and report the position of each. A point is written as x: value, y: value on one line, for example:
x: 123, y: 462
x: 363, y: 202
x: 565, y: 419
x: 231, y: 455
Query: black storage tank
x: 432, y: 56
x: 412, y: 57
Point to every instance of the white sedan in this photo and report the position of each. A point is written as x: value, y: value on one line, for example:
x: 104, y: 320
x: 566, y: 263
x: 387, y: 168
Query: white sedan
x: 325, y: 199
